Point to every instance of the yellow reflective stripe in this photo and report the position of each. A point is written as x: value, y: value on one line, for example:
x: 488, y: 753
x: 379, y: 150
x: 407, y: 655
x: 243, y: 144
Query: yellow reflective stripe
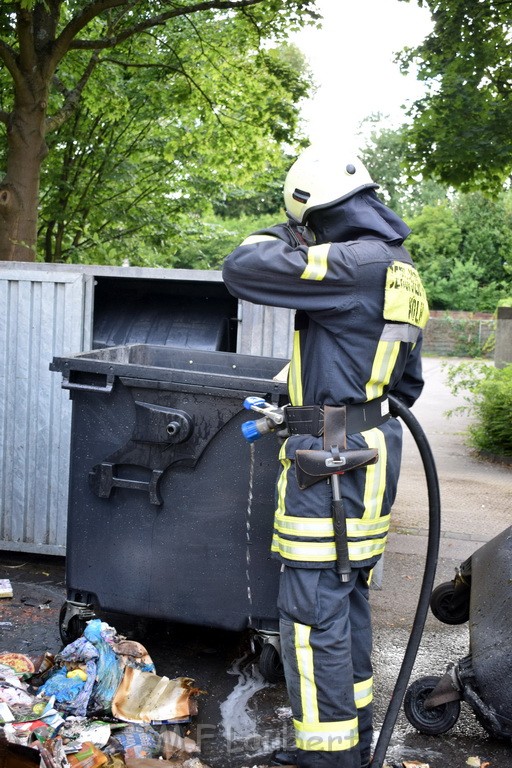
x: 363, y: 693
x: 274, y: 547
x: 282, y: 483
x: 326, y: 737
x: 253, y: 239
x: 316, y: 268
x: 312, y: 527
x: 311, y: 552
x: 383, y: 365
x: 323, y: 528
x: 295, y: 372
x: 321, y: 551
x: 405, y: 298
x: 363, y: 550
x: 375, y: 477
x: 305, y: 665
x: 357, y: 528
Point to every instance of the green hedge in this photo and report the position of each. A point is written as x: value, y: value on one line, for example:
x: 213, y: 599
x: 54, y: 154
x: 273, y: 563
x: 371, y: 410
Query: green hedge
x: 488, y: 394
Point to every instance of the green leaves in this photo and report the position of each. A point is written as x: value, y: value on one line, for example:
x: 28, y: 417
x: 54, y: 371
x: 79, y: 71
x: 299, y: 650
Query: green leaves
x: 152, y: 111
x: 460, y: 242
x: 488, y: 393
x: 155, y: 111
x: 461, y: 131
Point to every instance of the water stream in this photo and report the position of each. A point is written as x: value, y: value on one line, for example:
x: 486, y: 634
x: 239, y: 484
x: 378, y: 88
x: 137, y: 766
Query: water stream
x: 248, y: 532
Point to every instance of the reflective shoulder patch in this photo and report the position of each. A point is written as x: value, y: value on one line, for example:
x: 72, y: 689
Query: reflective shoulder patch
x: 405, y: 300
x: 253, y: 239
x: 316, y: 268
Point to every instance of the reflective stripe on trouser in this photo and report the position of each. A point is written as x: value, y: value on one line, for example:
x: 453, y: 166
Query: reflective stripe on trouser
x: 303, y: 527
x: 326, y: 643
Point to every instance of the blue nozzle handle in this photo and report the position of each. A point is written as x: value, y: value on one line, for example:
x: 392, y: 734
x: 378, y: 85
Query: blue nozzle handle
x: 250, y: 431
x: 254, y: 400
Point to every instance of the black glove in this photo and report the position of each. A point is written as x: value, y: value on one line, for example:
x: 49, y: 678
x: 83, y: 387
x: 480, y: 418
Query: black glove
x: 301, y: 234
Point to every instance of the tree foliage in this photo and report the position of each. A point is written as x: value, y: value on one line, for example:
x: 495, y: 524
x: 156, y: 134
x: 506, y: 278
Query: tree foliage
x: 127, y: 185
x: 462, y: 249
x: 147, y: 108
x: 384, y: 154
x: 461, y: 242
x: 461, y: 132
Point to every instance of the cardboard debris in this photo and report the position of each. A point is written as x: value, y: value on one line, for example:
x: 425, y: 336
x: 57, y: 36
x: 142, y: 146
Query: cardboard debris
x: 174, y: 745
x: 5, y: 588
x: 415, y: 764
x: 143, y: 697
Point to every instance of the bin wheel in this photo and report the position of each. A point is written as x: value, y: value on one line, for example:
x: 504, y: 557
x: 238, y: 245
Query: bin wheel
x: 431, y: 722
x: 73, y: 629
x: 442, y: 607
x: 270, y: 664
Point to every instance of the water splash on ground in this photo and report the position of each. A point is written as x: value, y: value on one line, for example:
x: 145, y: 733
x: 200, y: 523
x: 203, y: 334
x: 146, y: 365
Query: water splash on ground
x: 238, y: 724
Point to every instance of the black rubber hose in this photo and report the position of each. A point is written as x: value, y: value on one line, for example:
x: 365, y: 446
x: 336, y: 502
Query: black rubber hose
x: 434, y: 533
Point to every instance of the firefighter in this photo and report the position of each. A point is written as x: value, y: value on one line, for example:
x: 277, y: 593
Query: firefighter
x: 340, y: 262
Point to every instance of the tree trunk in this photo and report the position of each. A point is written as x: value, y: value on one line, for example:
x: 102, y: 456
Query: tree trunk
x: 19, y: 189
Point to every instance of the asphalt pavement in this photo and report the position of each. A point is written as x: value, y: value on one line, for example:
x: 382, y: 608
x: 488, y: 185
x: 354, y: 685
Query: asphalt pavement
x: 242, y: 717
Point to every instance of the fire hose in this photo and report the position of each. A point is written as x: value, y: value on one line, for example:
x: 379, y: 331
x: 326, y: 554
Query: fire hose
x: 274, y: 419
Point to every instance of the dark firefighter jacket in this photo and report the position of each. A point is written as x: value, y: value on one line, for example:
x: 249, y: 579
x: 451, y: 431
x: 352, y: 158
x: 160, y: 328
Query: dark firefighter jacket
x: 360, y: 310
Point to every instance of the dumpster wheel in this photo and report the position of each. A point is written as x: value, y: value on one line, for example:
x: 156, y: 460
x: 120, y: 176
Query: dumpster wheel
x: 431, y: 722
x: 270, y: 664
x: 73, y: 618
x: 441, y: 605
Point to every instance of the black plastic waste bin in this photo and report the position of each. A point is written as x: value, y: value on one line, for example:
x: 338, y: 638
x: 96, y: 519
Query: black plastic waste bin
x: 170, y: 510
x: 481, y: 593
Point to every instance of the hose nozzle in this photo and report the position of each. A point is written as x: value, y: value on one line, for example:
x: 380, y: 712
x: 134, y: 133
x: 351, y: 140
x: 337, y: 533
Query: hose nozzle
x: 273, y: 417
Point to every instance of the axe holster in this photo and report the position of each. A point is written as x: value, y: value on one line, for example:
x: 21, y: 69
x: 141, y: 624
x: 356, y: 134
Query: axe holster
x: 311, y: 466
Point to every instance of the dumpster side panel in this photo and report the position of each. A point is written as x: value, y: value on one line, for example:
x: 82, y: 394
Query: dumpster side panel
x: 202, y: 555
x: 264, y: 330
x: 490, y: 621
x: 41, y: 314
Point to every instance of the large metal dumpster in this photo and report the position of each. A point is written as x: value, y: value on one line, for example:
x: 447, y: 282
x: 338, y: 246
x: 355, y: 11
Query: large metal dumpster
x: 49, y: 310
x: 170, y: 510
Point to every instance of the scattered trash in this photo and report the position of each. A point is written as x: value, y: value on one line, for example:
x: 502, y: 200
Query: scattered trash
x: 175, y: 746
x: 5, y: 588
x: 89, y: 756
x: 143, y: 697
x: 18, y: 662
x: 98, y: 702
x: 475, y: 762
x: 32, y: 603
x: 415, y: 764
x: 138, y: 741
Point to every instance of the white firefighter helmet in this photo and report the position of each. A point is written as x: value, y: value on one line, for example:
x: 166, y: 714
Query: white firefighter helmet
x: 319, y: 178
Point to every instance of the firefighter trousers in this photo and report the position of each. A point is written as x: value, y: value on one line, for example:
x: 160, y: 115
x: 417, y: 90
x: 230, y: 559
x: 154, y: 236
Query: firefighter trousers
x: 326, y: 644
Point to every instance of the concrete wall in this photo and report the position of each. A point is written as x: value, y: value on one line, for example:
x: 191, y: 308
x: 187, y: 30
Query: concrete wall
x: 503, y: 349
